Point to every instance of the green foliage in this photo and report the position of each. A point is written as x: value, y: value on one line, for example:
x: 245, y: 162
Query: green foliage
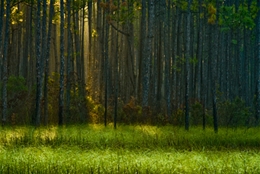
x: 132, y: 112
x: 244, y: 16
x: 178, y: 117
x: 178, y: 63
x: 16, y: 85
x: 194, y: 61
x: 96, y: 111
x: 18, y: 99
x: 197, y: 112
x: 233, y: 113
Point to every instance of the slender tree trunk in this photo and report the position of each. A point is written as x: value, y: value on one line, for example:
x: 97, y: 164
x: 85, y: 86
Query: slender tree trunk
x: 69, y: 61
x: 47, y: 65
x: 142, y: 47
x: 167, y: 59
x: 44, y: 43
x: 187, y: 85
x: 5, y: 77
x: 199, y: 52
x: 1, y: 34
x: 26, y: 44
x: 90, y: 57
x: 106, y: 71
x: 38, y: 65
x: 62, y: 64
x: 258, y: 73
x: 30, y: 78
x: 116, y: 75
x: 214, y: 72
x: 147, y: 60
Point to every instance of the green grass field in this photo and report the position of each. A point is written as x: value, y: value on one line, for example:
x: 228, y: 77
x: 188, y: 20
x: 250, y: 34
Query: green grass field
x: 129, y: 149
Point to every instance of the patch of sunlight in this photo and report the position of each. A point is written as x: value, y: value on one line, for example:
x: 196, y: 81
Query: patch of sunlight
x: 150, y: 130
x: 48, y: 134
x: 97, y: 126
x: 13, y: 134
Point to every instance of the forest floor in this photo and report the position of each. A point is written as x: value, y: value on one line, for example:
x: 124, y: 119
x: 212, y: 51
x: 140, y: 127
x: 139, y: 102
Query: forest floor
x: 128, y: 149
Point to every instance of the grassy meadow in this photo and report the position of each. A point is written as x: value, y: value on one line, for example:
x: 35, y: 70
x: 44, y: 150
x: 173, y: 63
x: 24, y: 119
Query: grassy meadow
x: 128, y: 149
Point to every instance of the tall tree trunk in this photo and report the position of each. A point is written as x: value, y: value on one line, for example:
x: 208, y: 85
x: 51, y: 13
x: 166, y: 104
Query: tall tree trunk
x: 258, y: 73
x: 106, y: 71
x: 44, y: 43
x: 47, y: 64
x: 199, y: 52
x: 69, y: 61
x: 167, y: 58
x: 147, y: 59
x: 62, y: 64
x: 30, y: 78
x: 5, y: 77
x: 26, y: 43
x: 116, y: 75
x: 142, y: 47
x: 1, y: 34
x: 213, y: 71
x: 90, y: 56
x: 38, y: 65
x: 187, y: 59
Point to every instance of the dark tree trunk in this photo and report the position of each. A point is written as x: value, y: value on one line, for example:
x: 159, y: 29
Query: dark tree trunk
x: 38, y: 65
x: 1, y: 34
x: 214, y: 72
x: 47, y: 64
x: 5, y: 77
x: 106, y: 67
x: 62, y: 64
x: 69, y: 61
x: 141, y: 48
x: 116, y: 76
x: 258, y: 73
x: 44, y: 43
x: 187, y: 85
x: 147, y: 60
x: 167, y: 58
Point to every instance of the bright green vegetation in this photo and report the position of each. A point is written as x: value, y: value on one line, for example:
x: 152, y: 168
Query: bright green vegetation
x: 129, y: 149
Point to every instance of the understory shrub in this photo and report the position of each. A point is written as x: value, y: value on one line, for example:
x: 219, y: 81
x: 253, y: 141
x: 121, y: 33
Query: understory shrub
x: 233, y: 113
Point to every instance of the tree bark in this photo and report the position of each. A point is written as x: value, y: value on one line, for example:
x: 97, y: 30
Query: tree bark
x: 38, y: 65
x: 62, y: 65
x: 5, y: 77
x: 187, y: 60
x: 47, y: 64
x: 147, y: 60
x: 258, y: 73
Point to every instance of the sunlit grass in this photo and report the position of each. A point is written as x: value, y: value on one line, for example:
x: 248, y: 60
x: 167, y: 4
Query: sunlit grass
x: 76, y: 160
x: 128, y: 149
x: 132, y: 137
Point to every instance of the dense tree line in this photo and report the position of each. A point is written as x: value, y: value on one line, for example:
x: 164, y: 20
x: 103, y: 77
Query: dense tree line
x: 171, y: 61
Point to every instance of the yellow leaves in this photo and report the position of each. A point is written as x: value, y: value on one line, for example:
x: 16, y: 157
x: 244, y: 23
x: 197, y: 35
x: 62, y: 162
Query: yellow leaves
x: 212, y: 19
x: 212, y: 11
x: 16, y: 15
x: 94, y: 33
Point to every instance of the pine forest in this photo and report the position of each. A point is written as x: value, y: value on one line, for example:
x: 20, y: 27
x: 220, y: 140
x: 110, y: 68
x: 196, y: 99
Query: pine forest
x: 129, y: 86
